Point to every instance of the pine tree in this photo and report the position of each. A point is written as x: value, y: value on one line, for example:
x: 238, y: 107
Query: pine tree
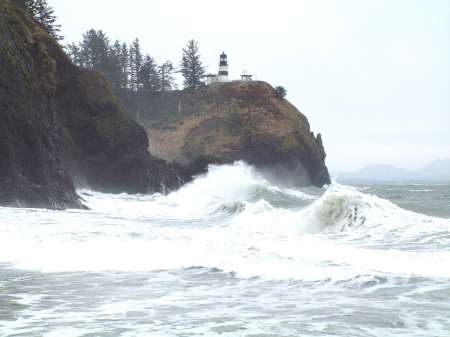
x: 114, y: 65
x: 45, y: 15
x: 149, y: 75
x: 94, y: 50
x: 280, y: 92
x: 165, y: 75
x: 136, y: 59
x: 75, y: 54
x: 191, y: 67
x: 124, y: 61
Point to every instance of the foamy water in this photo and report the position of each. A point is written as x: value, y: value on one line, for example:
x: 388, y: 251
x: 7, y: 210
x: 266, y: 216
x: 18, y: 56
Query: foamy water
x: 232, y: 255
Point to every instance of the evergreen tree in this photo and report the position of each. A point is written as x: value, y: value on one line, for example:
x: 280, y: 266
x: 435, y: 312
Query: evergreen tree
x: 136, y: 59
x: 149, y: 75
x: 124, y: 62
x: 75, y: 54
x: 280, y: 92
x: 114, y: 66
x: 166, y: 70
x: 45, y: 15
x: 132, y: 75
x: 94, y: 50
x: 191, y: 67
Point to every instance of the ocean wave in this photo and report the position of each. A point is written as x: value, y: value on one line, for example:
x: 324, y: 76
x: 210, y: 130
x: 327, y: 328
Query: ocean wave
x: 341, y: 207
x: 370, y: 220
x: 227, y: 219
x: 228, y: 187
x: 298, y: 194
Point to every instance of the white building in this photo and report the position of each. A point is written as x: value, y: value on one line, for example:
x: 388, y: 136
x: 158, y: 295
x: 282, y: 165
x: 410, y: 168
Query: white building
x: 211, y: 78
x: 222, y: 77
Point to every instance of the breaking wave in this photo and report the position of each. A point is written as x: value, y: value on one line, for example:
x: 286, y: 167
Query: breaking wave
x: 232, y: 219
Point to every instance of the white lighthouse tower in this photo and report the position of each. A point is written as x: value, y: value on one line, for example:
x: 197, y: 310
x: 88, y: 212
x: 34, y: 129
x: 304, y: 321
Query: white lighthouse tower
x: 223, y: 68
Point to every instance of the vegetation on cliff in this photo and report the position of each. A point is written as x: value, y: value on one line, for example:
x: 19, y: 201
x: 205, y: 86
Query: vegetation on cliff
x: 31, y: 173
x: 135, y: 77
x: 43, y: 13
x: 240, y: 121
x: 102, y: 146
x: 46, y: 101
x: 191, y: 67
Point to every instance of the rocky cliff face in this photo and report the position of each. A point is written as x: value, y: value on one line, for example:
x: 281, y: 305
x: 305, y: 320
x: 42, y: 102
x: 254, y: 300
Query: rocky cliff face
x: 54, y: 116
x: 31, y: 172
x: 241, y: 121
x: 101, y: 145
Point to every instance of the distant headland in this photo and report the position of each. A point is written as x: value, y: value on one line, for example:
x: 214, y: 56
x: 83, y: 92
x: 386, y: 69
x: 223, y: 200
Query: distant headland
x: 437, y: 171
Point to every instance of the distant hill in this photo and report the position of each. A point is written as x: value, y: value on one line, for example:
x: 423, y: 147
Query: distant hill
x: 439, y: 170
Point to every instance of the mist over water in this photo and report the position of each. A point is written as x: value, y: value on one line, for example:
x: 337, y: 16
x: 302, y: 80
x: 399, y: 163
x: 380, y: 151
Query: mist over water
x: 231, y: 254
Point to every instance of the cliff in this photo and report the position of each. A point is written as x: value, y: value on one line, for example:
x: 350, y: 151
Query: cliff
x: 31, y: 172
x: 240, y: 121
x: 101, y: 145
x: 54, y: 116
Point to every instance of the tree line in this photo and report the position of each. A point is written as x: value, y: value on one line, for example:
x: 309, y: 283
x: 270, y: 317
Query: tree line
x: 127, y: 67
x: 135, y: 77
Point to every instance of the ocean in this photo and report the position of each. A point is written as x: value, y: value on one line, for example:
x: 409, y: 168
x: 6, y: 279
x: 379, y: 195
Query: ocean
x: 231, y: 254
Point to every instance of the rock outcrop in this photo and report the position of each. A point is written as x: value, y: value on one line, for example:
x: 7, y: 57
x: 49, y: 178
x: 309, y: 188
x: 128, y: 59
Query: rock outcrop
x: 102, y: 146
x: 31, y: 172
x: 54, y: 116
x: 241, y: 121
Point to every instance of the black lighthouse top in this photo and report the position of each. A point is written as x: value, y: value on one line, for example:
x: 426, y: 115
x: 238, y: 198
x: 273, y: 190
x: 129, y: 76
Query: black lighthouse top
x: 223, y: 59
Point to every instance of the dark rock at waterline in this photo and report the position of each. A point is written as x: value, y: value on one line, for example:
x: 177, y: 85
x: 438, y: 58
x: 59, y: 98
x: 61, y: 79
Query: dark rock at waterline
x: 56, y: 116
x: 31, y: 172
x: 200, y: 164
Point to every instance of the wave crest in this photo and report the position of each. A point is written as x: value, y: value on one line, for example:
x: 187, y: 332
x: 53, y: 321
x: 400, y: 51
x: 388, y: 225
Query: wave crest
x: 341, y: 207
x: 371, y: 221
x: 226, y: 187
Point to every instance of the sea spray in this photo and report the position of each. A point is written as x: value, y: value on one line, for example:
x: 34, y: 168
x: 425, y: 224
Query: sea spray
x: 223, y: 221
x: 229, y: 254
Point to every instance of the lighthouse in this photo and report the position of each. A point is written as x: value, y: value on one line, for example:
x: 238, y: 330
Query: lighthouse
x: 223, y: 68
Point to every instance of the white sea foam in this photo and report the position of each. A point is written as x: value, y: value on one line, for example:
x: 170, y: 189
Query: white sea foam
x: 221, y: 220
x: 227, y: 255
x: 344, y: 209
x: 298, y: 194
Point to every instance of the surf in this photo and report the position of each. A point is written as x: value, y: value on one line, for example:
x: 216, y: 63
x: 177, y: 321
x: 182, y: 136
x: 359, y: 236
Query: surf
x: 231, y: 219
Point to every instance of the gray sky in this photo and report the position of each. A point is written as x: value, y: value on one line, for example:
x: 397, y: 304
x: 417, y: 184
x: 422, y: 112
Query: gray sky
x: 373, y: 77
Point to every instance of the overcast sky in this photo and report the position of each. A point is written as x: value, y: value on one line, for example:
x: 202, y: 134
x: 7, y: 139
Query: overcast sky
x: 373, y: 77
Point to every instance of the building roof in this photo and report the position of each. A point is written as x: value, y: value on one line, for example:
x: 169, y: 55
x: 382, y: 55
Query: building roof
x: 223, y: 55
